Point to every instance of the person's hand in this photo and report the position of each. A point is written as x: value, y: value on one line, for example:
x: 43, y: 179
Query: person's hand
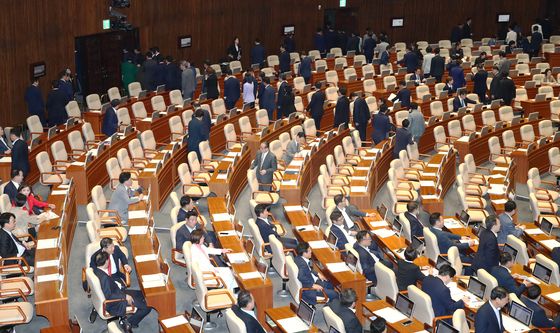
x: 127, y: 268
x: 28, y: 245
x: 321, y: 276
x: 317, y: 287
x: 226, y: 250
x: 9, y: 151
x: 353, y: 233
x: 472, y: 242
x: 522, y: 226
x: 211, y: 245
x: 465, y: 237
x: 129, y: 299
x: 516, y: 276
x: 141, y: 196
x: 527, y: 283
x: 262, y: 172
x: 52, y: 206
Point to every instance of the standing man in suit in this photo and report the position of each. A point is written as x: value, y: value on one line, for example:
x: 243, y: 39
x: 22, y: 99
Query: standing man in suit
x: 116, y: 260
x: 488, y: 254
x: 495, y: 92
x: 381, y: 125
x: 258, y: 53
x: 403, y: 95
x: 342, y: 109
x: 315, y: 106
x: 343, y: 234
x: 198, y: 132
x: 417, y: 125
x: 436, y: 288
x: 20, y: 152
x: 265, y: 165
x: 344, y: 309
x: 461, y: 100
x: 113, y: 291
x: 412, y: 214
x: 507, y: 225
x: 245, y: 310
x: 361, y: 115
x: 319, y: 42
x: 309, y: 278
x: 110, y: 121
x: 232, y: 90
x: 385, y: 56
x: 284, y: 92
x: 403, y: 138
x: 488, y: 318
x: 305, y: 68
x: 479, y: 81
x: 188, y: 80
x: 267, y: 100
x: 408, y: 273
x: 507, y: 89
x: 294, y: 147
x: 284, y: 60
x: 446, y: 239
x: 10, y: 245
x: 369, y: 48
x: 438, y: 65
x: 65, y: 85
x: 289, y: 42
x: 505, y: 279
x: 540, y: 319
x: 458, y: 75
x: 148, y: 71
x: 56, y: 103
x: 266, y: 228
x: 536, y: 41
x: 11, y: 188
x: 409, y: 60
x: 503, y: 64
x: 34, y: 100
x: 123, y: 196
x: 348, y: 211
x: 211, y: 84
x: 369, y: 254
x: 172, y: 78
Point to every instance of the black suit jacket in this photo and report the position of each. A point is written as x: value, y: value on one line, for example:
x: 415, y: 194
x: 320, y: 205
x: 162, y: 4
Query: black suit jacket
x: 351, y: 323
x: 149, y: 69
x: 315, y: 106
x: 367, y: 262
x: 11, y: 190
x: 342, y: 111
x: 505, y: 280
x: 442, y: 302
x: 232, y: 91
x: 361, y: 112
x: 56, y: 102
x: 555, y: 255
x: 408, y: 273
x: 251, y: 324
x: 416, y: 227
x: 119, y: 258
x: 198, y: 132
x: 403, y: 138
x: 7, y: 246
x: 488, y: 254
x: 438, y: 65
x: 284, y: 60
x: 211, y: 86
x: 111, y: 291
x: 485, y: 320
x: 20, y: 157
x: 539, y: 316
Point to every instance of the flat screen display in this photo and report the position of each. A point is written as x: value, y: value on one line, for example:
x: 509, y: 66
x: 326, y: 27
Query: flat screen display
x: 397, y: 22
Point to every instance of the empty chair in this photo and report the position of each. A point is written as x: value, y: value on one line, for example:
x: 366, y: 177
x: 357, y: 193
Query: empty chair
x: 538, y: 78
x: 520, y: 95
x: 554, y: 160
x: 218, y: 107
x: 337, y: 51
x: 232, y: 139
x: 454, y: 130
x: 186, y: 117
x: 136, y: 152
x: 93, y: 102
x: 436, y: 109
x: 473, y: 205
x: 527, y: 134
x: 369, y: 86
x: 176, y: 128
x: 522, y: 58
x: 299, y: 83
x: 488, y: 118
x: 348, y: 72
x: 198, y: 170
x: 272, y: 60
x: 509, y: 141
x: 193, y: 188
x: 295, y: 56
x: 76, y: 143
x: 442, y: 142
x: 91, y: 139
x: 523, y: 69
x: 332, y: 94
x: 397, y: 206
x: 545, y: 128
x: 258, y: 195
x: 488, y: 280
x: 542, y: 66
x: 35, y: 126
x: 550, y: 264
x: 469, y: 125
x: 384, y: 68
x: 126, y: 163
x: 522, y: 257
x: 315, y: 54
x: 444, y: 43
x: 386, y: 282
x: 134, y: 89
x: 73, y: 110
x: 235, y: 66
x: 547, y: 90
x: 149, y: 143
x: 368, y: 70
x: 541, y: 192
x: 114, y: 93
x: 422, y: 91
x: 234, y: 323
x: 123, y: 118
x: 400, y: 46
x: 158, y: 103
x: 460, y: 322
x: 262, y: 118
x: 139, y: 110
x: 332, y: 77
x: 61, y: 157
x: 555, y: 110
x: 176, y: 98
x: 389, y: 80
x: 48, y: 175
x: 496, y: 154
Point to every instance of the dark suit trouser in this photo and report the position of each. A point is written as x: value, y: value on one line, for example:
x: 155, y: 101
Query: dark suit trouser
x: 230, y: 104
x: 317, y: 119
x: 362, y: 128
x: 142, y: 308
x: 438, y: 78
x: 312, y: 295
x: 307, y: 79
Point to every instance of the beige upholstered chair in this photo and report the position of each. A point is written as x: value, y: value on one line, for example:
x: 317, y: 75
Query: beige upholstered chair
x: 73, y: 110
x: 139, y: 110
x: 488, y: 280
x: 134, y: 89
x: 234, y: 323
x: 98, y: 297
x: 386, y: 282
x: 522, y: 254
x: 460, y: 321
x: 158, y: 103
x: 93, y: 102
x: 35, y: 127
x: 48, y: 174
x: 196, y: 188
x: 333, y: 320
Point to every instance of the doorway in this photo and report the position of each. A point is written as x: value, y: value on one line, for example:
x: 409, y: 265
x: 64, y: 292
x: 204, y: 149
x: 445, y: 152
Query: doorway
x: 342, y: 19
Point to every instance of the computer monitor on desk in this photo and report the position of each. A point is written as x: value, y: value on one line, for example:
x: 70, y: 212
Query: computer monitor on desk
x: 332, y: 240
x: 476, y: 287
x: 542, y: 273
x: 520, y: 313
x: 546, y: 226
x: 196, y: 321
x: 306, y: 313
x: 444, y: 327
x: 509, y: 249
x: 404, y: 305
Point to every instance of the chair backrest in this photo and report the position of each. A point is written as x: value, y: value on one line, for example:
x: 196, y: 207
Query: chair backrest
x: 522, y: 58
x: 299, y: 83
x: 124, y: 159
x: 332, y: 94
x: 488, y: 280
x: 278, y: 256
x: 333, y: 320
x: 276, y: 149
x: 114, y: 171
x: 390, y: 79
x: 158, y: 103
x: 436, y: 108
x: 58, y: 151
x: 187, y: 256
x: 309, y: 128
x: 522, y: 68
x: 35, y: 126
x: 386, y: 282
x: 114, y: 93
x: 545, y: 128
x: 422, y: 91
x: 262, y: 118
x: 509, y: 139
x: 432, y: 248
x: 406, y: 229
x: 176, y: 128
x: 454, y: 258
x: 547, y: 90
x: 148, y: 140
x: 294, y: 285
x: 93, y: 102
x: 272, y: 60
x: 257, y: 238
x: 454, y: 128
x: 234, y: 323
x: 135, y: 148
x: 423, y: 310
x: 234, y: 65
x: 332, y: 76
x: 134, y: 89
x: 5, y: 203
x: 139, y: 110
x: 175, y: 97
x: 550, y: 264
x: 527, y: 133
x: 369, y: 86
x: 98, y: 197
x: 315, y: 54
x: 295, y: 56
x: 488, y: 118
x: 460, y: 321
x: 445, y: 43
x: 349, y: 72
x: 438, y: 88
x: 73, y: 110
x: 97, y: 296
x: 173, y: 234
x: 554, y: 157
x: 367, y: 69
x: 284, y: 140
x: 218, y: 107
x: 468, y: 123
x: 522, y: 254
x: 123, y: 117
x: 43, y: 162
x: 76, y: 142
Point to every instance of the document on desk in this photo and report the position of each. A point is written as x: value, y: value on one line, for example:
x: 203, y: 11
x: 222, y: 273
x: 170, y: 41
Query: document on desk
x: 228, y: 233
x: 227, y: 159
x: 76, y: 163
x: 392, y: 96
x: 250, y: 275
x: 427, y: 183
x: 149, y: 169
x: 383, y: 233
x: 297, y: 163
x: 49, y: 215
x: 6, y: 159
x: 293, y: 325
x: 152, y: 277
x: 359, y: 178
x: 368, y: 158
x: 391, y: 315
x: 452, y: 224
x: 222, y: 176
x: 50, y: 243
x: 550, y: 243
x: 378, y: 224
x: 512, y: 325
x: 534, y: 231
x: 221, y: 217
x: 237, y: 258
x: 468, y: 240
x: 146, y: 257
x: 336, y: 267
x: 293, y: 208
x: 362, y: 168
x: 456, y: 293
x: 138, y: 230
x: 291, y: 182
x: 318, y: 244
x: 554, y: 296
x: 137, y: 214
x: 499, y: 201
x: 430, y: 196
x: 358, y: 189
x: 153, y: 284
x: 48, y: 277
x: 47, y: 263
x: 175, y: 321
x: 59, y: 192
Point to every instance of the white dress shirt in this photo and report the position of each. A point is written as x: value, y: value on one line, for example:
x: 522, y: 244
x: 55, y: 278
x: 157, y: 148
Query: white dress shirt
x: 349, y: 222
x: 497, y: 313
x: 351, y: 239
x: 371, y: 253
x: 307, y: 263
x: 20, y: 247
x: 263, y: 156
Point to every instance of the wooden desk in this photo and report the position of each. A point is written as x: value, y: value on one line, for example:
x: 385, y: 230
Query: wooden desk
x: 185, y: 328
x: 530, y: 106
x: 553, y: 59
x: 537, y: 158
x: 532, y: 92
x: 277, y: 314
x: 447, y: 179
x: 370, y: 307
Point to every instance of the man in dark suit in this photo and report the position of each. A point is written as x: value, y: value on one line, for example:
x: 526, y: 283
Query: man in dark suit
x: 385, y: 56
x: 290, y: 43
x: 198, y: 132
x: 436, y: 288
x: 315, y: 106
x: 258, y: 53
x: 536, y: 41
x: 446, y: 239
x: 438, y: 65
x: 381, y: 124
x: 284, y: 60
x: 10, y: 245
x: 488, y: 254
x: 403, y: 95
x: 353, y: 43
x: 349, y: 212
x: 266, y: 228
x: 555, y: 255
x: 457, y: 33
x: 112, y: 291
x: 267, y: 100
x: 361, y: 115
x: 172, y: 74
x: 488, y: 318
x: 403, y: 138
x: 309, y: 278
x: 369, y: 48
x: 540, y: 319
x: 342, y: 109
x: 461, y: 100
x: 305, y: 68
x: 505, y: 279
x: 148, y: 70
x: 232, y: 90
x: 412, y: 215
x: 344, y: 309
x: 56, y: 103
x: 369, y: 254
x: 409, y: 60
x: 245, y: 310
x: 479, y: 81
x: 283, y: 96
x: 319, y: 41
x: 191, y: 224
x: 11, y: 188
x: 20, y: 152
x: 495, y: 92
x: 507, y: 90
x: 265, y: 165
x: 110, y: 121
x: 116, y: 260
x: 34, y: 100
x: 408, y: 273
x: 339, y: 229
x: 65, y: 84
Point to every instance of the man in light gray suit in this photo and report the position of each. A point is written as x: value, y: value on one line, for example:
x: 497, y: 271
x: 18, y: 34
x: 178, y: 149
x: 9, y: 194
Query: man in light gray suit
x: 187, y: 80
x: 503, y: 64
x: 417, y: 125
x: 507, y: 227
x: 294, y: 147
x: 264, y: 165
x: 349, y: 212
x: 124, y: 196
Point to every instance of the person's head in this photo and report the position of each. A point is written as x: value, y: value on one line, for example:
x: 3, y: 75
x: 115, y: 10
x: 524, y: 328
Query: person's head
x: 304, y: 250
x: 502, y: 54
x: 547, y: 72
x: 149, y: 55
x: 383, y: 108
x: 511, y: 43
x: 492, y: 223
x: 245, y: 300
x: 437, y: 50
x: 363, y: 237
x: 197, y: 236
x: 462, y: 93
x: 115, y: 103
x: 510, y: 207
x: 339, y: 200
x: 413, y: 106
x: 8, y: 221
x: 199, y: 113
x: 348, y: 298
x: 125, y: 178
x: 499, y: 297
x: 418, y: 71
x: 106, y: 244
x: 264, y: 147
x: 102, y: 260
x: 282, y: 48
x: 378, y: 325
x: 534, y: 292
x: 536, y: 28
x: 402, y: 84
x: 55, y: 84
x: 257, y: 41
x: 17, y: 175
x: 228, y: 71
x: 449, y: 80
x: 429, y: 49
x: 191, y: 219
x: 446, y: 273
x: 412, y: 207
x: 405, y: 123
x: 495, y: 70
x: 480, y: 67
x: 186, y: 202
x: 236, y: 40
x: 262, y: 210
x: 436, y: 220
x: 318, y: 85
x: 506, y: 259
x: 410, y: 253
x: 15, y: 133
x: 482, y: 55
x: 342, y: 90
x: 20, y: 200
x: 25, y: 189
x: 337, y: 218
x: 266, y: 80
x: 300, y: 137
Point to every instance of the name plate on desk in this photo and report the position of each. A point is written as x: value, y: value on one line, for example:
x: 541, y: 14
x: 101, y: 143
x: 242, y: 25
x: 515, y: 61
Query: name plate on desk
x: 48, y: 277
x: 138, y: 230
x: 358, y: 189
x: 78, y: 163
x: 378, y: 224
x: 336, y: 267
x: 383, y: 233
x: 293, y: 208
x: 47, y: 263
x: 59, y: 192
x: 175, y: 321
x: 146, y: 257
x: 50, y: 243
x: 391, y: 315
x: 137, y: 214
x: 250, y: 275
x: 221, y: 217
x: 237, y: 258
x: 291, y: 182
x: 554, y: 296
x: 550, y: 243
x: 318, y: 244
x: 6, y: 159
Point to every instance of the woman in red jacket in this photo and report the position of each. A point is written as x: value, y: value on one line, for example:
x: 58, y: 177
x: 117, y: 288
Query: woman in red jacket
x: 32, y: 201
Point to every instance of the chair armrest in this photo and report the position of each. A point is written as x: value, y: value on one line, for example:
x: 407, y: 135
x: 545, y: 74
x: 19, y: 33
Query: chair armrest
x: 216, y: 278
x: 306, y: 289
x: 215, y: 292
x: 436, y: 319
x: 198, y: 187
x: 108, y: 301
x: 17, y: 279
x: 28, y: 236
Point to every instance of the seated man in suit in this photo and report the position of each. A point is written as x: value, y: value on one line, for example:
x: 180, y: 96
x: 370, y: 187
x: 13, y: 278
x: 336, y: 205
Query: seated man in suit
x: 488, y: 254
x: 187, y: 205
x: 266, y: 228
x: 417, y: 76
x: 265, y: 165
x: 339, y: 228
x: 507, y: 226
x: 245, y: 310
x: 505, y: 279
x: 123, y: 196
x: 461, y: 100
x: 309, y: 278
x: 344, y: 309
x: 448, y: 86
x: 436, y: 288
x: 191, y: 224
x: 369, y: 253
x: 407, y: 271
x: 486, y: 319
x: 446, y: 239
x: 378, y: 325
x: 540, y: 318
x: 294, y: 147
x: 116, y: 259
x: 403, y: 95
x: 112, y: 291
x: 350, y: 212
x: 12, y: 187
x: 10, y: 245
x: 412, y: 214
x: 555, y: 255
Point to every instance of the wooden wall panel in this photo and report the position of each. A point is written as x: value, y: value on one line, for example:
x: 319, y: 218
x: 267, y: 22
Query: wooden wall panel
x: 35, y: 30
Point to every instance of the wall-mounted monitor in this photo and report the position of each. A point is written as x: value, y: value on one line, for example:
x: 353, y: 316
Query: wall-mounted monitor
x: 184, y: 41
x: 502, y: 18
x: 288, y: 29
x: 38, y: 69
x: 397, y: 22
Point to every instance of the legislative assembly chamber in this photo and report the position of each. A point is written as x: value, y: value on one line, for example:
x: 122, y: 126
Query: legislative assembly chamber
x: 280, y: 166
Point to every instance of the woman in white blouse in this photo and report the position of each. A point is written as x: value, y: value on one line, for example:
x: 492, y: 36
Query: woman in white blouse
x: 201, y: 255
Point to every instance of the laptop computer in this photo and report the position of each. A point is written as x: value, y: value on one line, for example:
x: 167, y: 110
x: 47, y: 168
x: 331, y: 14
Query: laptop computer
x: 441, y: 260
x: 520, y: 313
x: 540, y: 98
x: 546, y: 226
x: 332, y: 240
x: 333, y: 330
x: 476, y: 287
x: 390, y: 87
x: 202, y: 97
x: 306, y: 313
x: 70, y: 122
x: 160, y: 88
x: 397, y: 226
x: 51, y: 132
x: 443, y: 94
x: 417, y: 243
x: 196, y: 321
x: 404, y: 305
x: 509, y: 249
x: 352, y: 78
x: 530, y: 84
x: 382, y: 210
x: 464, y: 217
x: 170, y: 109
x: 542, y: 273
x: 142, y: 94
x: 330, y: 55
x: 262, y: 268
x: 156, y: 115
x: 444, y: 327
